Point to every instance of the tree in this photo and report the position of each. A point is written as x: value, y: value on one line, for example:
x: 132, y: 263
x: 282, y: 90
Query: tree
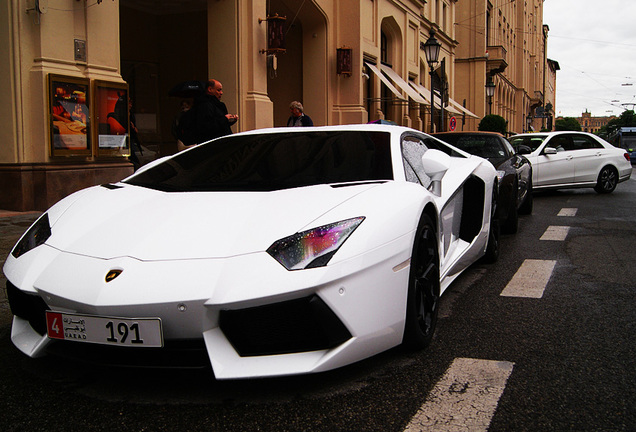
x: 493, y: 123
x: 626, y: 119
x: 567, y: 124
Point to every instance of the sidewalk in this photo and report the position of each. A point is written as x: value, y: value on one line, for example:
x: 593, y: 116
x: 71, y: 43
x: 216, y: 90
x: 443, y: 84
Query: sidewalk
x: 11, y: 213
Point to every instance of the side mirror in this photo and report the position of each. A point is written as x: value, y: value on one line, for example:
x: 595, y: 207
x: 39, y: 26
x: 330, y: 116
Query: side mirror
x: 523, y: 150
x: 549, y: 151
x: 435, y: 163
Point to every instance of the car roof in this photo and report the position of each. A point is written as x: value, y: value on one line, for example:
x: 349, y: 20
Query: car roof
x: 351, y: 127
x: 468, y: 133
x: 553, y: 133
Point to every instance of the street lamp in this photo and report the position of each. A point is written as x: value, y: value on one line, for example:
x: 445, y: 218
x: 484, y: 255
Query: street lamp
x: 490, y: 92
x: 431, y: 51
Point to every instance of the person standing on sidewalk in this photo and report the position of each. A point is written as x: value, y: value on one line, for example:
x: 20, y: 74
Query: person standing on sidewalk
x: 212, y: 117
x: 298, y: 117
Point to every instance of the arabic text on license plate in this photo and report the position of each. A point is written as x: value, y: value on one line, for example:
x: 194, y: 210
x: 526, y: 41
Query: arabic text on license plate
x: 141, y: 332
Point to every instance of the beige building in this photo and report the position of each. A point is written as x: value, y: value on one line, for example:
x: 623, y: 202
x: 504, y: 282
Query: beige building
x: 550, y: 92
x: 503, y: 41
x: 90, y: 55
x: 591, y: 123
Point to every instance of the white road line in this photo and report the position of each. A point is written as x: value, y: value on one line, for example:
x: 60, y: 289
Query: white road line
x: 530, y: 280
x: 556, y: 233
x: 567, y: 212
x: 465, y: 399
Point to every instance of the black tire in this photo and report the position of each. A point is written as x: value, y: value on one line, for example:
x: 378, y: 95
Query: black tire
x: 492, y: 249
x: 607, y: 180
x: 423, y: 291
x: 526, y: 206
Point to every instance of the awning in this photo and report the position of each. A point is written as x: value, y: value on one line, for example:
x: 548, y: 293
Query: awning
x: 403, y: 84
x: 449, y: 107
x: 452, y: 107
x: 426, y: 93
x: 463, y: 109
x: 386, y: 82
x: 417, y: 92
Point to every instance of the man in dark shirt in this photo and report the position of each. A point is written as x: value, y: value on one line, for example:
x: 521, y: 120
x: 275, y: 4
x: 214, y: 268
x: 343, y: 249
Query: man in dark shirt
x: 212, y: 118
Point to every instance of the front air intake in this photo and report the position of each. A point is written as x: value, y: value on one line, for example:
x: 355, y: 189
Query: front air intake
x: 30, y: 307
x: 293, y: 326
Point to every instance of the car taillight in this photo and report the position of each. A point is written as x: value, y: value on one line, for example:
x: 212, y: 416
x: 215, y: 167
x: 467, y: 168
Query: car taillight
x: 627, y: 156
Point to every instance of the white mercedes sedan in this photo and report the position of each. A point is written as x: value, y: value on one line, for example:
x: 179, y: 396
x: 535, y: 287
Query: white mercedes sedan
x: 562, y: 160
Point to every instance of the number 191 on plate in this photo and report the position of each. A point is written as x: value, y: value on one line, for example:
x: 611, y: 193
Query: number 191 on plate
x: 140, y: 332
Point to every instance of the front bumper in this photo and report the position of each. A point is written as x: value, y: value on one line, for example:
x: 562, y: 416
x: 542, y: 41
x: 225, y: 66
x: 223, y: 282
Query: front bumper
x: 263, y: 322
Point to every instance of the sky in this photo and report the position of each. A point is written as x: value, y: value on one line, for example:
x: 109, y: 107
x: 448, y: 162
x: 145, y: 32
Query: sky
x: 594, y: 42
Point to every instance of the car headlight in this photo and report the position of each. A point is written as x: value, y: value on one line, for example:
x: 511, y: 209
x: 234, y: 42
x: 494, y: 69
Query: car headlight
x: 314, y: 247
x: 39, y: 232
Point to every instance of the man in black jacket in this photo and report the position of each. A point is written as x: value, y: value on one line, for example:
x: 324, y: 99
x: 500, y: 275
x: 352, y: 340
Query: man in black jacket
x: 212, y: 118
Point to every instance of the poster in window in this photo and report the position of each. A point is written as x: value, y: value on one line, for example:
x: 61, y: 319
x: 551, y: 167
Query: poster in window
x: 112, y: 118
x: 69, y: 114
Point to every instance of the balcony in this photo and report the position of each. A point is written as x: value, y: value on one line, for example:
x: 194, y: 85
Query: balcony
x: 496, y: 59
x: 537, y: 100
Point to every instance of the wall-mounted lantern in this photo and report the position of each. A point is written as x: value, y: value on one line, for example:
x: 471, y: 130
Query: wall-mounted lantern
x: 344, y: 61
x: 275, y: 34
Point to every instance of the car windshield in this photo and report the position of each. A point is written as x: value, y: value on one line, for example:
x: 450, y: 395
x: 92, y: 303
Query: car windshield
x: 532, y: 141
x: 274, y: 161
x: 486, y: 146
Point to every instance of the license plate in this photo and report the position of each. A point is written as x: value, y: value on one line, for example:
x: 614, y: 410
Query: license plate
x: 138, y: 332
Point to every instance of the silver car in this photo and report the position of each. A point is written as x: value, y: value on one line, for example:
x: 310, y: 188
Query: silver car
x: 563, y: 160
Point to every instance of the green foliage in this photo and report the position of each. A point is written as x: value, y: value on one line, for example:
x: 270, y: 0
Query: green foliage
x: 626, y: 119
x: 493, y: 123
x: 567, y: 124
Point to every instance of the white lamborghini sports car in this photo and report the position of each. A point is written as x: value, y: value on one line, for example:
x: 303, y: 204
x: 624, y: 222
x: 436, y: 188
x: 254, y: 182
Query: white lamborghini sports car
x: 264, y: 253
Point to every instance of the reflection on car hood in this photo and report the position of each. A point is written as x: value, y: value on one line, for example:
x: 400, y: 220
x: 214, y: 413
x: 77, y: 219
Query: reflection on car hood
x: 151, y: 225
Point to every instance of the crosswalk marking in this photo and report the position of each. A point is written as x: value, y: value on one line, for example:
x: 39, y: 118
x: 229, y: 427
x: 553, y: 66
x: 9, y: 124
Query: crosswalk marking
x: 467, y: 395
x: 567, y: 212
x: 530, y: 280
x: 465, y: 399
x: 556, y: 233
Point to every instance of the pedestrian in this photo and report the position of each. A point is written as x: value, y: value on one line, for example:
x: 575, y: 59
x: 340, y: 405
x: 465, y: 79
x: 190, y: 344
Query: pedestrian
x: 211, y: 116
x: 135, y: 143
x: 298, y: 117
x: 177, y: 126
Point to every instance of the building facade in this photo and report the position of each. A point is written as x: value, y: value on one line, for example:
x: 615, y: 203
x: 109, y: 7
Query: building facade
x: 593, y: 124
x: 348, y: 62
x: 502, y: 42
x: 550, y: 92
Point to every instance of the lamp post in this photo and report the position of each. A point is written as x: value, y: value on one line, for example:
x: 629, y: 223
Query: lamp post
x: 431, y: 51
x: 490, y: 92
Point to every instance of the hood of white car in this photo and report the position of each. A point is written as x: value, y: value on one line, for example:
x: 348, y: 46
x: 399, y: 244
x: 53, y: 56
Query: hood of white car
x: 150, y: 225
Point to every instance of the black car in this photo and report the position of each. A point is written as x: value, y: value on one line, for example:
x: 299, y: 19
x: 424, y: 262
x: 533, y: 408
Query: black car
x: 513, y: 170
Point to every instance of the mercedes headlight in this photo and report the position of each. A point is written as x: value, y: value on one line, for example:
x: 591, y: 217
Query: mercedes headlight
x: 314, y: 247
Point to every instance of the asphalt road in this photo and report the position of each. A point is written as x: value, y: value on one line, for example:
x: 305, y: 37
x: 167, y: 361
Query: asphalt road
x: 573, y: 351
